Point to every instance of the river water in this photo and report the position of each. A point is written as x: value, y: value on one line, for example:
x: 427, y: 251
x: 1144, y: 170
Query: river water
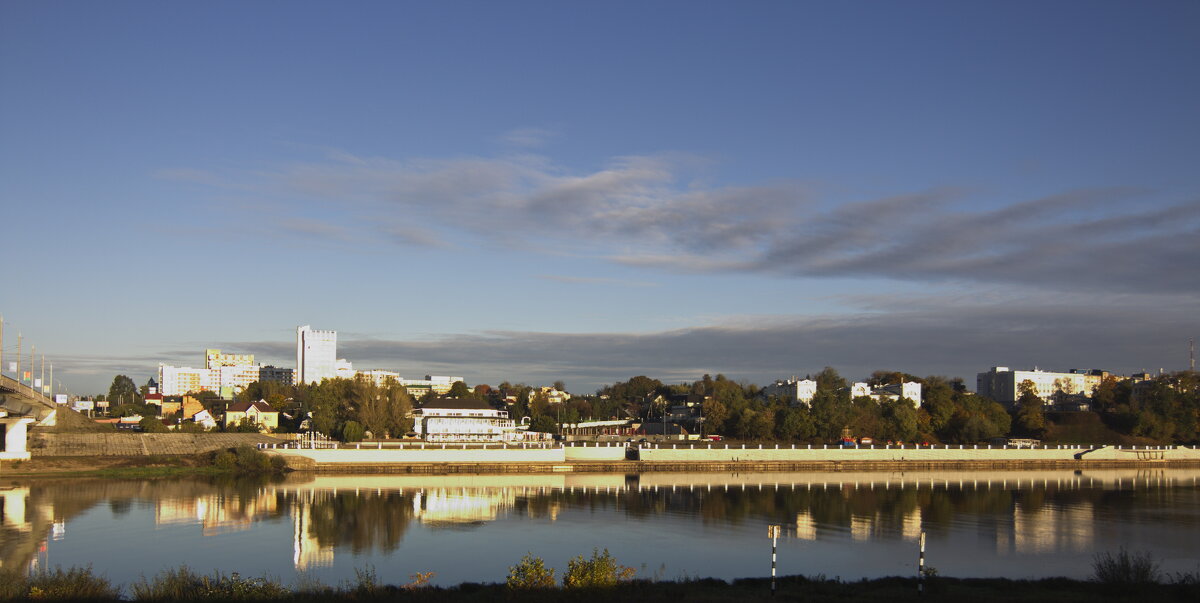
x: 471, y: 528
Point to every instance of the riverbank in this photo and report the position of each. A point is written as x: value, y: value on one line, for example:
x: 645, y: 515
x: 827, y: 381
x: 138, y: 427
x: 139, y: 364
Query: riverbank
x: 83, y: 585
x: 108, y: 466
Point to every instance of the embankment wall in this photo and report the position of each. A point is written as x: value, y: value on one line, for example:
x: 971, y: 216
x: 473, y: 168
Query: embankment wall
x: 139, y: 444
x: 613, y: 458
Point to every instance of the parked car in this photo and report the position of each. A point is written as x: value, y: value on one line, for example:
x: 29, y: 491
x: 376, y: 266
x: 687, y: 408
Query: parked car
x: 713, y: 438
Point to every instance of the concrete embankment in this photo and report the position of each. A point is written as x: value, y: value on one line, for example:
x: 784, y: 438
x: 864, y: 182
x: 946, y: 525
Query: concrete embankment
x: 139, y: 444
x: 620, y: 459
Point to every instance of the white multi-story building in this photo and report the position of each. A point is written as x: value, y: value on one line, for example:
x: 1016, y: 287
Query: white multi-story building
x: 316, y: 355
x: 379, y: 376
x: 795, y: 391
x: 180, y: 380
x: 344, y: 369
x: 235, y: 378
x: 463, y: 421
x: 225, y: 380
x: 1003, y: 384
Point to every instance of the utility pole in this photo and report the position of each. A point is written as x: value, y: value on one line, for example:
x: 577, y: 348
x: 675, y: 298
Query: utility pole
x: 1191, y: 351
x: 1, y: 344
x: 42, y: 387
x: 18, y: 375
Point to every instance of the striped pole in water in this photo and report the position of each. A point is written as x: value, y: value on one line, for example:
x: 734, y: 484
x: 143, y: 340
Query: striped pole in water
x: 774, y: 533
x: 921, y: 567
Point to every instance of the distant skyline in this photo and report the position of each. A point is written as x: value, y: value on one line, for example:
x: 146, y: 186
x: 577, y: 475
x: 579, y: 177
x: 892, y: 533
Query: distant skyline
x: 590, y: 191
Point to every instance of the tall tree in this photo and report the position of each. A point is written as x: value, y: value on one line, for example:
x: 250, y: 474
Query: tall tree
x: 1030, y: 411
x: 459, y: 390
x: 829, y: 380
x: 123, y: 390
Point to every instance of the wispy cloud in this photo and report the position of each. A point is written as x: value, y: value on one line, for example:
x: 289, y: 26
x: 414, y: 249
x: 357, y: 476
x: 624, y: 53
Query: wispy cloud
x: 653, y: 211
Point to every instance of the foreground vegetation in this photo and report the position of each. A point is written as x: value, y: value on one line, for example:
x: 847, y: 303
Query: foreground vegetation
x: 1122, y: 576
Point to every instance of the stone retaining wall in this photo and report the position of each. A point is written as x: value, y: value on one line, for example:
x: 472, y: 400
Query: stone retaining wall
x: 918, y: 455
x: 412, y: 456
x: 139, y: 444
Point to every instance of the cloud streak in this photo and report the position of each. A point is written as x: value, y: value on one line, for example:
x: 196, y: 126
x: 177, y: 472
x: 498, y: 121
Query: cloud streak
x: 655, y: 212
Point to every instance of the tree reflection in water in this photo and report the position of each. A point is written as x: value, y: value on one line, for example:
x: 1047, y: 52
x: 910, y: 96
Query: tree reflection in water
x: 1022, y: 511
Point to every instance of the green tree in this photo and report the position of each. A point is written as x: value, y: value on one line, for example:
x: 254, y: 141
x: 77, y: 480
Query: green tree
x: 938, y: 402
x: 601, y: 571
x: 794, y: 424
x: 830, y: 413
x: 352, y: 431
x: 530, y: 573
x: 544, y: 424
x: 152, y: 425
x: 829, y: 380
x: 399, y: 409
x: 123, y: 390
x: 899, y: 419
x: 459, y: 390
x: 715, y: 416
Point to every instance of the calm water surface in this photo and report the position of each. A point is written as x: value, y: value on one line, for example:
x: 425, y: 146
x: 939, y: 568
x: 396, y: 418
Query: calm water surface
x: 471, y: 528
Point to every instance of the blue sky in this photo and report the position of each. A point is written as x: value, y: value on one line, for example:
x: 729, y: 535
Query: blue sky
x: 588, y: 191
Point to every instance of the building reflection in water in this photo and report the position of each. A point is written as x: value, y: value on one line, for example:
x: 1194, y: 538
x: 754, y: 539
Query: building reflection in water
x: 1017, y: 513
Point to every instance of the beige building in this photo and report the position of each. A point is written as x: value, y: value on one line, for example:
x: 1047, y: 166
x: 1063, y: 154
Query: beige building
x: 260, y: 413
x: 215, y: 359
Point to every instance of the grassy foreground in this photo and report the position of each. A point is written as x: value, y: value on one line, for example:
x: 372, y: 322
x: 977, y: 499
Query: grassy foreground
x: 184, y: 585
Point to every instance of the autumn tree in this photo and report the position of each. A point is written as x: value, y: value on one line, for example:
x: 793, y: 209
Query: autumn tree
x: 1030, y: 410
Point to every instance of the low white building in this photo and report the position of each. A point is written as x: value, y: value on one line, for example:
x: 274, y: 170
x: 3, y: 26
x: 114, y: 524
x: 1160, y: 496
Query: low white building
x: 795, y: 391
x: 463, y: 420
x: 895, y: 391
x: 343, y: 369
x: 379, y: 376
x: 437, y: 384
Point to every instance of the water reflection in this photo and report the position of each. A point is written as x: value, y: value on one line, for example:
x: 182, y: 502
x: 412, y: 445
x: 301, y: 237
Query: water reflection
x: 355, y: 516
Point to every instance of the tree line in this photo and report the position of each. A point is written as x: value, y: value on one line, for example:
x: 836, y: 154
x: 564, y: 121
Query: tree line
x: 1165, y: 409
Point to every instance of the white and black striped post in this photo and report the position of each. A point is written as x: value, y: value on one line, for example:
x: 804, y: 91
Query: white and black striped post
x: 921, y: 567
x: 773, y: 532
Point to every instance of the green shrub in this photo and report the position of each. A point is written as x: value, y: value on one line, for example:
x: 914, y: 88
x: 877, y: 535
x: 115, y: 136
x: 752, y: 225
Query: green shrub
x: 13, y: 585
x: 1125, y: 568
x: 600, y: 571
x: 530, y: 573
x: 182, y: 584
x: 248, y: 460
x: 352, y: 431
x: 70, y: 584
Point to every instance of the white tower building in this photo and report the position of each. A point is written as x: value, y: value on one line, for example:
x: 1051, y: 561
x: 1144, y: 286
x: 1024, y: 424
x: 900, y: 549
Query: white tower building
x: 316, y: 355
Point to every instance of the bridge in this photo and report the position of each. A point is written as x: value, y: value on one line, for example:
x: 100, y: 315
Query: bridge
x: 19, y: 399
